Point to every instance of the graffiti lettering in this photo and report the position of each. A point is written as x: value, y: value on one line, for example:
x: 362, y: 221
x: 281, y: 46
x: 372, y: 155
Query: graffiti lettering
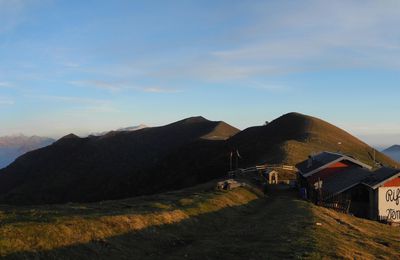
x: 393, y: 214
x: 393, y: 195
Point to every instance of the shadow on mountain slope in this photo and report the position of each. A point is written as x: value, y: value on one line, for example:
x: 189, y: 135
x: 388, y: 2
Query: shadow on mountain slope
x: 119, y: 164
x: 153, y: 160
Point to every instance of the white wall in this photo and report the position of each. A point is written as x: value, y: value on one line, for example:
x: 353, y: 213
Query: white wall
x: 389, y: 203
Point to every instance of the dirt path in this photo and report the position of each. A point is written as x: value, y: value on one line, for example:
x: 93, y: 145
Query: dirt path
x: 274, y: 227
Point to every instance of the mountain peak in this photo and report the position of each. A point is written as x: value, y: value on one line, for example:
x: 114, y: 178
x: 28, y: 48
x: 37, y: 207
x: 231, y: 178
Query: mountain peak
x: 67, y: 139
x: 222, y: 131
x: 393, y: 152
x: 393, y: 148
x: 296, y: 117
x: 195, y: 119
x: 70, y: 136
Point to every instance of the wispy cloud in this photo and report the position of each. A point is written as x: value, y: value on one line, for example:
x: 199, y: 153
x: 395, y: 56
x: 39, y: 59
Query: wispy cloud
x: 71, y: 99
x: 4, y: 84
x: 12, y: 13
x: 269, y: 87
x: 71, y: 64
x: 159, y: 90
x: 98, y: 84
x: 81, y: 105
x: 318, y: 34
x: 308, y: 36
x: 276, y: 39
x: 6, y: 101
x: 118, y: 87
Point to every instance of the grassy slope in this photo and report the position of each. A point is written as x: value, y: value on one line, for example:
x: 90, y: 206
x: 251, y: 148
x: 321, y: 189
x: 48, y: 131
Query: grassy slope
x: 295, y: 136
x: 291, y: 138
x: 344, y: 236
x: 197, y: 223
x: 323, y: 136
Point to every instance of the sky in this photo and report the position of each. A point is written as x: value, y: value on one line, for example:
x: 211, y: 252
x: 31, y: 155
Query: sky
x: 95, y: 65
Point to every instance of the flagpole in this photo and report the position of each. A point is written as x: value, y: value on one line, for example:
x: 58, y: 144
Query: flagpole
x: 230, y: 161
x: 237, y: 159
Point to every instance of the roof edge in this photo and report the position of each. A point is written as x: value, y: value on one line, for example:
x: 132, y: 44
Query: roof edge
x: 344, y: 157
x: 380, y: 183
x: 344, y: 189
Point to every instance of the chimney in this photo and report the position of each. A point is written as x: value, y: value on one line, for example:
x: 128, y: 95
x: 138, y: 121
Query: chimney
x: 310, y: 161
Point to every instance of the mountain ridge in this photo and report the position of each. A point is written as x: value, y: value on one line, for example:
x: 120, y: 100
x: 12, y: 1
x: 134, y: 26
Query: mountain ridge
x: 116, y: 165
x: 393, y: 152
x: 157, y: 159
x: 393, y: 148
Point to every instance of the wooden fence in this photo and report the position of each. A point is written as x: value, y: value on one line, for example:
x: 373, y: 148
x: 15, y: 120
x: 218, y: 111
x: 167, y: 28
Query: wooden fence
x: 340, y: 202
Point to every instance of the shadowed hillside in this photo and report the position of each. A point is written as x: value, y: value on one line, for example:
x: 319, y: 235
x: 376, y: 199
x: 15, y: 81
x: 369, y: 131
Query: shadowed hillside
x: 151, y: 160
x: 116, y: 165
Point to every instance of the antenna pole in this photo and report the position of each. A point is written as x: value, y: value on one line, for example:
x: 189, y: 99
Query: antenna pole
x: 230, y: 161
x: 374, y: 157
x: 237, y: 160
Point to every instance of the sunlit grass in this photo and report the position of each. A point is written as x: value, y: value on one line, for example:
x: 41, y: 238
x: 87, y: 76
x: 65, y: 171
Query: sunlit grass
x: 25, y: 229
x: 197, y: 223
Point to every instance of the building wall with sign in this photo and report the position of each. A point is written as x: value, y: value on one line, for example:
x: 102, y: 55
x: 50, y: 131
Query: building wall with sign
x: 389, y: 203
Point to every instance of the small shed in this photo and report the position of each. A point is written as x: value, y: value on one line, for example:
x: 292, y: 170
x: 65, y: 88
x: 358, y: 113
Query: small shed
x: 271, y: 176
x: 324, y: 168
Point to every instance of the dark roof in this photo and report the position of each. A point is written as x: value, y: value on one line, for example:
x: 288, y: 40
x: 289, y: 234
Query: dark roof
x: 324, y: 159
x: 344, y: 180
x: 318, y: 161
x: 380, y: 176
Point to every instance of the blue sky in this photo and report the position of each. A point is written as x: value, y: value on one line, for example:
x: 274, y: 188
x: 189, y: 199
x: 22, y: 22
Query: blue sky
x: 88, y: 66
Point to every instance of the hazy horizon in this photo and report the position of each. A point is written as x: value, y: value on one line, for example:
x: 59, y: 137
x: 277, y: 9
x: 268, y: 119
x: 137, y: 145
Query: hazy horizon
x: 79, y: 67
x: 378, y: 141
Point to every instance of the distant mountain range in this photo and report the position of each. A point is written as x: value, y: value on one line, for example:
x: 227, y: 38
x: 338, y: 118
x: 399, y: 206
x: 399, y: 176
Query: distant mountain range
x: 11, y: 147
x: 122, y: 164
x: 393, y: 152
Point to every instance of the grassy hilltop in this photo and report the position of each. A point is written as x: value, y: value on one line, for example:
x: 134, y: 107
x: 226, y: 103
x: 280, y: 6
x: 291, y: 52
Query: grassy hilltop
x: 197, y: 223
x: 291, y: 138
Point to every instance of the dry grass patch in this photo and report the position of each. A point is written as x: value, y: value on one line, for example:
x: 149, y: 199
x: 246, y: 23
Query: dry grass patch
x: 194, y: 224
x: 62, y: 231
x: 344, y: 236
